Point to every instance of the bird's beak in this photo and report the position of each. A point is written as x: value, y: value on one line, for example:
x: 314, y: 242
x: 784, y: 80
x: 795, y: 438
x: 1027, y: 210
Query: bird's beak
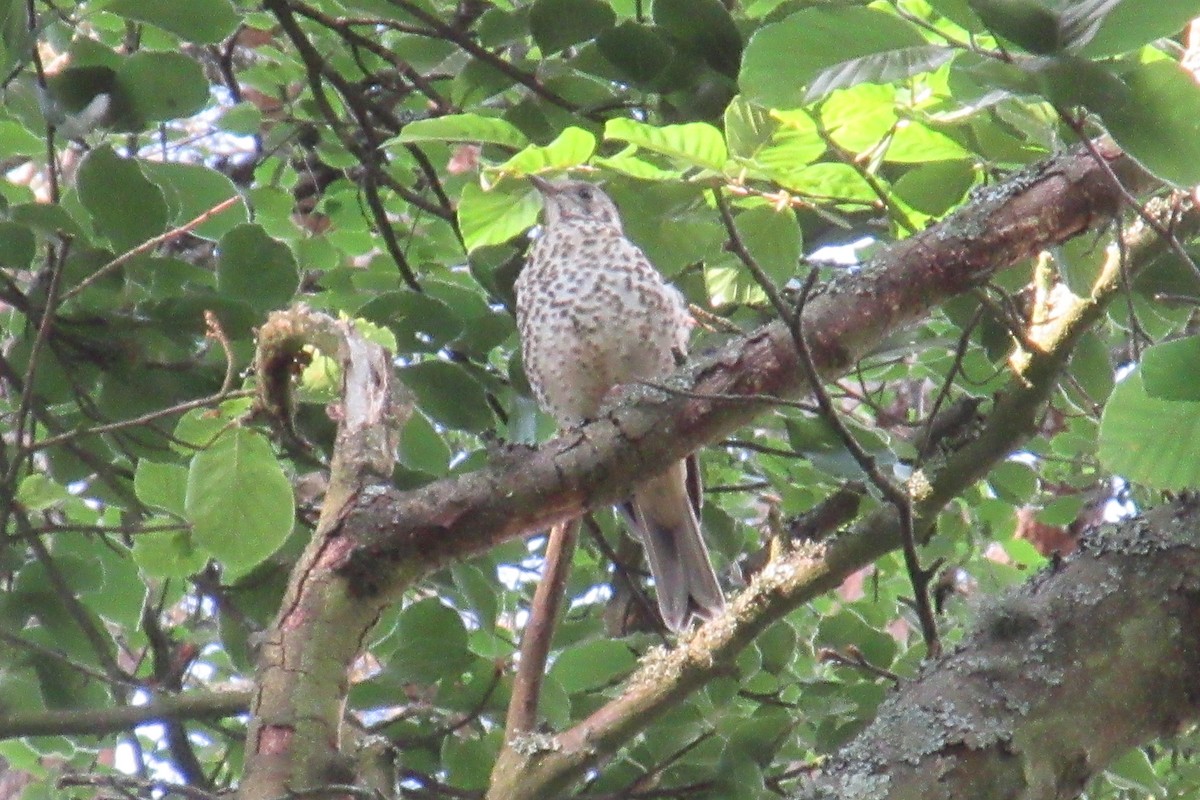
x: 542, y: 185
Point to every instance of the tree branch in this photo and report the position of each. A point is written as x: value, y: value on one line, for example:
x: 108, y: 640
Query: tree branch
x: 539, y: 629
x: 1060, y: 677
x: 101, y: 721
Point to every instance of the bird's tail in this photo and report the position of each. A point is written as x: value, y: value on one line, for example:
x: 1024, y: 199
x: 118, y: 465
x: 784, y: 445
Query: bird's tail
x: 664, y: 518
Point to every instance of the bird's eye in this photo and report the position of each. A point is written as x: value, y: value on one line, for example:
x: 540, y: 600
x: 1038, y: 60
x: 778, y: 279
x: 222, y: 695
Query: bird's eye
x: 585, y: 193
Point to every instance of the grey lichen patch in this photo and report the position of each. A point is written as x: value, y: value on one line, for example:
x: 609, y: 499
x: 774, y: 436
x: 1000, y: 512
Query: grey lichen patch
x: 919, y: 487
x: 373, y: 490
x: 781, y: 576
x: 1008, y: 619
x: 857, y: 786
x: 1141, y: 536
x: 700, y: 645
x: 659, y: 666
x: 1090, y: 593
x: 531, y: 744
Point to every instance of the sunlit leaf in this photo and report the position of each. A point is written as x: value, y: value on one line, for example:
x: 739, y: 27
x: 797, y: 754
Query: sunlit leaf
x: 882, y: 67
x: 461, y: 128
x: 697, y: 143
x: 784, y: 58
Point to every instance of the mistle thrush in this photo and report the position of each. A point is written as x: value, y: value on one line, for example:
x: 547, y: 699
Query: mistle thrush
x: 594, y: 314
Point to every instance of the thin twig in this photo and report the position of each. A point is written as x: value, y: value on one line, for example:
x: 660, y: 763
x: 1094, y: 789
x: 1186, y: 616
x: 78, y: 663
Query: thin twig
x: 151, y: 244
x: 539, y: 629
x: 960, y: 352
x: 765, y: 399
x: 893, y: 493
x: 1172, y: 242
x: 99, y: 642
x: 466, y: 43
x: 142, y: 787
x: 853, y: 657
x: 180, y: 408
x: 50, y: 652
x: 623, y: 572
x: 316, y: 68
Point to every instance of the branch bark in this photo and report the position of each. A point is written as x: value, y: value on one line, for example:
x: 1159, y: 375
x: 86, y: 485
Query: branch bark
x: 100, y: 721
x: 522, y: 489
x: 293, y: 742
x: 1060, y: 677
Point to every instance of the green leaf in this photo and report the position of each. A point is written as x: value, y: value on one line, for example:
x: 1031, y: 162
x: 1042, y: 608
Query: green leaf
x: 835, y: 181
x: 238, y: 500
x: 592, y: 665
x: 449, y: 395
x: 628, y: 163
x: 422, y: 448
x: 558, y: 24
x: 783, y: 58
x: 1161, y: 455
x: 418, y: 321
x: 255, y: 268
x: 1134, y: 23
x: 569, y: 149
x: 161, y: 485
x: 885, y: 67
x: 858, y: 118
x: 430, y: 643
x: 1169, y: 370
x: 38, y: 492
x: 1092, y: 370
x: 773, y: 238
x: 142, y: 210
x: 847, y: 629
x: 199, y: 21
x: 917, y: 143
x: 198, y: 429
x: 1013, y: 482
x: 1081, y: 20
x: 1028, y: 24
x: 496, y: 216
x: 1134, y: 773
x: 21, y: 689
x: 162, y: 86
x: 18, y: 245
x: 748, y: 127
x: 469, y: 762
x: 703, y: 27
x: 638, y: 52
x: 193, y: 189
x: 935, y: 187
x: 696, y: 143
x: 1159, y: 124
x: 795, y: 144
x: 461, y: 128
x: 16, y: 139
x: 168, y: 554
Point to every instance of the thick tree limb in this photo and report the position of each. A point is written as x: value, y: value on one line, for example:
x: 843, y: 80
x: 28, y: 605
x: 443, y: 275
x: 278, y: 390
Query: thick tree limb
x: 1059, y: 678
x: 524, y: 489
x: 293, y: 740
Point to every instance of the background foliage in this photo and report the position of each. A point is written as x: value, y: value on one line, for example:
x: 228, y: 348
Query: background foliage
x: 174, y: 171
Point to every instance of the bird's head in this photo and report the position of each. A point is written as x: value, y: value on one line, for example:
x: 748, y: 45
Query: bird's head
x: 575, y: 201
